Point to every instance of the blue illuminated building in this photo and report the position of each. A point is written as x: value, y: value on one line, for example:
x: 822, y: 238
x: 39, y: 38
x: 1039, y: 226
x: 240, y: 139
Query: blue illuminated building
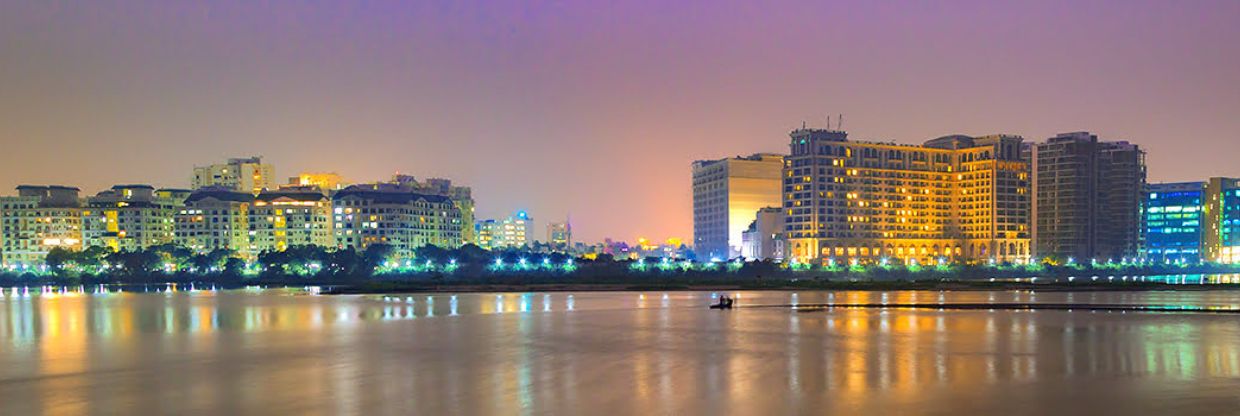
x: 1173, y: 222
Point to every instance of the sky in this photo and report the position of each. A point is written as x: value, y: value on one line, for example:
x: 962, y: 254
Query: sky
x: 592, y: 109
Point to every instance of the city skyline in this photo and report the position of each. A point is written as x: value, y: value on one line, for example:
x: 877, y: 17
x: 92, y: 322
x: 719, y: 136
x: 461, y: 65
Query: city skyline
x: 141, y: 93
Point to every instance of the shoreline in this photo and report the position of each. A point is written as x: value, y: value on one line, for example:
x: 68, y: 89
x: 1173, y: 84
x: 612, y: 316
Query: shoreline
x: 395, y: 287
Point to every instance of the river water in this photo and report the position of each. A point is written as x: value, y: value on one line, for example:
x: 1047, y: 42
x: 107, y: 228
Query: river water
x: 285, y: 351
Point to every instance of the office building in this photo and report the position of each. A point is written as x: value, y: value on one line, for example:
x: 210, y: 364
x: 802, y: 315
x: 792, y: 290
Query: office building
x: 1173, y: 222
x: 291, y: 217
x: 763, y: 239
x: 214, y: 218
x: 1220, y: 220
x: 726, y: 195
x: 238, y: 174
x: 955, y: 198
x: 130, y: 217
x: 390, y: 214
x: 560, y: 235
x: 1088, y: 198
x: 511, y: 232
x: 37, y: 220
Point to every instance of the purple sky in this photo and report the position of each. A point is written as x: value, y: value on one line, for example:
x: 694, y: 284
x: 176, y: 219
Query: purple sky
x: 588, y: 107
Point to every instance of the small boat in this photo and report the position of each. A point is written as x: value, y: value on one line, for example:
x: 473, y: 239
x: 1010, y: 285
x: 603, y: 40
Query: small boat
x: 724, y: 303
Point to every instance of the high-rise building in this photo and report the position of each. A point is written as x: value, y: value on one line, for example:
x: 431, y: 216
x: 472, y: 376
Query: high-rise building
x: 238, y: 174
x: 214, y: 218
x: 325, y: 181
x: 512, y: 232
x: 560, y: 235
x: 1173, y: 222
x: 130, y: 217
x: 726, y: 195
x: 1088, y: 197
x: 385, y: 213
x: 37, y: 220
x: 290, y: 217
x: 954, y: 198
x: 763, y: 240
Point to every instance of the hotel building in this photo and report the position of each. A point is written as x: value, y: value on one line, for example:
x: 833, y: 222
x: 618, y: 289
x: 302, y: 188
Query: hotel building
x: 290, y: 217
x: 1088, y: 198
x: 953, y: 198
x: 238, y: 174
x: 37, y: 220
x: 726, y: 195
x: 390, y: 214
x: 130, y: 217
x: 214, y: 218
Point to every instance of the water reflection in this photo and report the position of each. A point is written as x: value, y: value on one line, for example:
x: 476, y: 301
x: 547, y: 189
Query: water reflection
x: 204, y: 351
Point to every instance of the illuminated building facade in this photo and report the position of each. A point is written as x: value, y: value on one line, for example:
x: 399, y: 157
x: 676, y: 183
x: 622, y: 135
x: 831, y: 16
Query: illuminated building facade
x: 214, y: 218
x: 560, y: 235
x: 763, y: 240
x: 391, y: 214
x: 512, y: 232
x: 1088, y: 198
x: 37, y: 220
x: 325, y: 181
x: 954, y: 198
x: 239, y: 174
x: 130, y: 218
x: 1221, y: 221
x: 726, y: 194
x: 290, y: 217
x: 1172, y: 222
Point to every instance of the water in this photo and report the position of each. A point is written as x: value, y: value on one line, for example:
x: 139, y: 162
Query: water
x: 287, y: 352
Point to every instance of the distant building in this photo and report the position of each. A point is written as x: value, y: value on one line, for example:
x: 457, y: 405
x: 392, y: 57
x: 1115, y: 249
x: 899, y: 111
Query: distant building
x: 1088, y: 197
x: 214, y: 218
x: 726, y: 194
x: 1173, y: 222
x: 238, y: 174
x: 291, y: 217
x: 130, y: 217
x: 953, y: 198
x: 37, y: 220
x: 763, y: 240
x: 560, y: 235
x: 325, y: 181
x: 511, y: 232
x: 394, y: 215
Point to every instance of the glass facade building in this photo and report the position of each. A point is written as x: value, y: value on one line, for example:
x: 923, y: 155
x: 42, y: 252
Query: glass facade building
x: 1173, y: 222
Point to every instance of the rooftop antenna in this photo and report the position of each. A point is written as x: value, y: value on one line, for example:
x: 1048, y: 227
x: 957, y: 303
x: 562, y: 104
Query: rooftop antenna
x: 840, y: 125
x: 828, y: 122
x: 802, y: 124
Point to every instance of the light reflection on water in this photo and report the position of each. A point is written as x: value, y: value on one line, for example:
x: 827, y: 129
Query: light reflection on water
x: 284, y: 351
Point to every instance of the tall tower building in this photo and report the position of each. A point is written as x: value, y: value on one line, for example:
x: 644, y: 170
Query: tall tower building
x: 239, y: 174
x: 953, y: 198
x: 1088, y: 197
x: 727, y: 193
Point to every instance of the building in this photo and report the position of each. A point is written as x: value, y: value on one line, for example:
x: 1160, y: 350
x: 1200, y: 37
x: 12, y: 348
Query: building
x: 462, y: 196
x: 325, y: 181
x: 130, y: 217
x: 37, y: 220
x: 291, y: 217
x: 1220, y: 220
x: 394, y: 215
x: 214, y: 218
x: 1088, y: 198
x: 955, y: 198
x: 560, y: 235
x: 238, y: 174
x: 512, y: 232
x: 763, y: 239
x: 1172, y: 222
x: 726, y: 194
